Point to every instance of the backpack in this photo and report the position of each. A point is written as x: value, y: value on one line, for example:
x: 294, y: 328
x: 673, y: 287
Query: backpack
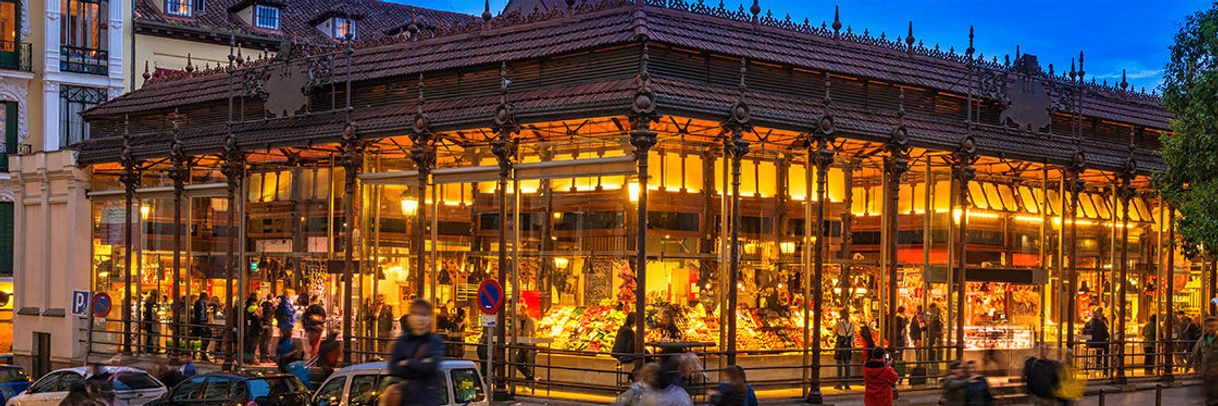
x: 1040, y: 376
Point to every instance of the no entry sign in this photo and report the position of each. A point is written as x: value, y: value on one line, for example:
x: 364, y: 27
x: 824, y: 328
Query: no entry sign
x: 490, y: 296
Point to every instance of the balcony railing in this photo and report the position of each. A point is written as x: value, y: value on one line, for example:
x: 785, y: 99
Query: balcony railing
x: 15, y: 55
x: 83, y: 60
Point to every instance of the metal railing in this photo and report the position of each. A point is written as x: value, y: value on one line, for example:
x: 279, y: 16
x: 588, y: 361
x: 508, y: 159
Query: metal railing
x: 83, y: 60
x: 16, y: 55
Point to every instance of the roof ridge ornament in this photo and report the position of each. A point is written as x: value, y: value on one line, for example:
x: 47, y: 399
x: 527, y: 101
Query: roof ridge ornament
x: 909, y: 39
x: 969, y: 51
x: 486, y: 13
x: 837, y: 22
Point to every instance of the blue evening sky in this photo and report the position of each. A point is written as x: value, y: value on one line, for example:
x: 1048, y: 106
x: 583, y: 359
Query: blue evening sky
x: 1115, y: 34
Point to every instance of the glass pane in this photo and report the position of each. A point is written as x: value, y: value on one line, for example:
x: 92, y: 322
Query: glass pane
x: 1031, y: 203
x: 991, y: 194
x: 331, y: 393
x: 364, y: 390
x: 1085, y: 205
x: 1101, y: 205
x: 977, y: 196
x: 466, y: 386
x: 1055, y: 202
x: 1008, y: 197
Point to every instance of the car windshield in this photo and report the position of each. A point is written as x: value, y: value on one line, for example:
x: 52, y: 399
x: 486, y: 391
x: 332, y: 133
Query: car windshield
x: 466, y: 385
x: 260, y: 387
x: 13, y: 375
x: 135, y: 381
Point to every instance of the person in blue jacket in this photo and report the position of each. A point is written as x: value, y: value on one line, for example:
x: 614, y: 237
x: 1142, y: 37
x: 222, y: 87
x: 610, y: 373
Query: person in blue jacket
x: 416, y: 358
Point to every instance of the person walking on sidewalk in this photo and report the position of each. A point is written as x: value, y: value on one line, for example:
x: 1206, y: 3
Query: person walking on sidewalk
x: 1205, y: 358
x: 735, y: 391
x: 843, y: 333
x: 416, y: 358
x: 202, y: 317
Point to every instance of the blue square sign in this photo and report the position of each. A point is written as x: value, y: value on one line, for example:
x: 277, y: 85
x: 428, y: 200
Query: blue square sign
x: 80, y: 302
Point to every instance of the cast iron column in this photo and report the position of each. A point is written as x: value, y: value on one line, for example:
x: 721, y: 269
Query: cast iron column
x: 962, y: 168
x: 352, y: 158
x: 1171, y: 290
x: 234, y: 170
x: 735, y: 147
x: 504, y: 148
x: 823, y: 157
x: 1074, y: 185
x: 130, y: 180
x: 895, y: 165
x: 643, y: 138
x: 1127, y: 192
x: 423, y: 154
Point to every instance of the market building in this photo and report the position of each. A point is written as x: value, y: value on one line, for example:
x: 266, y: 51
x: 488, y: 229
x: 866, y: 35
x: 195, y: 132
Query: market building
x: 670, y: 160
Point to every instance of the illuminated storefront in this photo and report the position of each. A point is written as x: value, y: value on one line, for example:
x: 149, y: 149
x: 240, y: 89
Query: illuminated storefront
x: 425, y: 183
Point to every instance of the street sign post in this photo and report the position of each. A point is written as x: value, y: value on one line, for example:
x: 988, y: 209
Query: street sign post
x: 490, y: 300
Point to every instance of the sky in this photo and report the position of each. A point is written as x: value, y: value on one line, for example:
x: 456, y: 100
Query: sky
x: 1133, y: 35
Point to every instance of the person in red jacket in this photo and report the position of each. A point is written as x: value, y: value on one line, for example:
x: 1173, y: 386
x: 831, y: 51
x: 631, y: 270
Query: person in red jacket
x: 879, y: 379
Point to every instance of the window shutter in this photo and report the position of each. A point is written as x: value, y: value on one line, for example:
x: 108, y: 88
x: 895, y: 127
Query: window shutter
x: 6, y: 238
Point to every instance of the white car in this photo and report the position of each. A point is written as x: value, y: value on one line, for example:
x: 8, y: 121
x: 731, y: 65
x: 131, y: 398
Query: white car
x: 361, y: 385
x: 132, y: 387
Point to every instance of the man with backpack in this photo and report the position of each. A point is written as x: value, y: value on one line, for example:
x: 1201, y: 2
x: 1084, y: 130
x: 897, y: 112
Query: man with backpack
x: 1097, y: 330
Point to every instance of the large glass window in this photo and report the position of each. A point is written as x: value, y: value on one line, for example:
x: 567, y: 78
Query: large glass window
x: 9, y: 25
x: 181, y: 8
x: 266, y: 17
x: 344, y: 28
x: 72, y: 101
x: 83, y: 37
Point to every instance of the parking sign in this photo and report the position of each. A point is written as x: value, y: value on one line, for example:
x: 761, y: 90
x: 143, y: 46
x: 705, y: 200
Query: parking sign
x: 80, y: 302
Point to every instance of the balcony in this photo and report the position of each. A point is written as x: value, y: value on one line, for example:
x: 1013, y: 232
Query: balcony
x: 15, y: 55
x: 83, y: 60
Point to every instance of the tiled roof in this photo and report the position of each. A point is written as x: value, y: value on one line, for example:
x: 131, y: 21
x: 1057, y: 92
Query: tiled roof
x: 298, y: 19
x: 717, y: 31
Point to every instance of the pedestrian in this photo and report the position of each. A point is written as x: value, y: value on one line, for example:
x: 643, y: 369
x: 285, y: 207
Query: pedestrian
x: 879, y: 379
x: 900, y: 341
x: 152, y: 323
x: 1149, y: 338
x: 285, y: 316
x: 735, y: 391
x: 526, y: 356
x: 314, y: 324
x: 665, y: 392
x: 843, y: 333
x: 955, y: 386
x: 977, y: 392
x: 201, y: 320
x: 1205, y: 360
x: 623, y: 343
x: 916, y: 325
x: 253, y: 327
x: 416, y: 358
x: 384, y: 327
x: 644, y: 379
x: 934, y: 331
x: 266, y: 341
x: 1041, y: 377
x: 1097, y: 331
x: 368, y: 315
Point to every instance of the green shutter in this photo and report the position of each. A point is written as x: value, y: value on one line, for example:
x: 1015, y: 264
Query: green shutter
x: 6, y: 238
x: 10, y: 136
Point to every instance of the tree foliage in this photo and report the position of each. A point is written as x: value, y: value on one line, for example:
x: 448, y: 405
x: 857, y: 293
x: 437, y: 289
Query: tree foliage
x: 1190, y: 91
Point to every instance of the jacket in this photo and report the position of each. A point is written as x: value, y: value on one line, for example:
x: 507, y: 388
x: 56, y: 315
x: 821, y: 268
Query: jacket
x: 1205, y: 356
x: 416, y: 359
x: 314, y: 318
x: 268, y: 313
x: 977, y: 393
x: 673, y: 395
x: 285, y: 314
x: 878, y: 380
x: 955, y: 390
x: 1098, y: 331
x: 728, y: 396
x: 623, y: 345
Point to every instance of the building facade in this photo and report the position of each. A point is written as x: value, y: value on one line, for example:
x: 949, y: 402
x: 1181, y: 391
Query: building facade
x: 737, y: 182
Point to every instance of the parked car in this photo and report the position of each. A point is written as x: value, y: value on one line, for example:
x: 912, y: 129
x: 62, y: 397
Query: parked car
x: 242, y: 388
x: 361, y: 385
x: 13, y: 381
x: 132, y: 386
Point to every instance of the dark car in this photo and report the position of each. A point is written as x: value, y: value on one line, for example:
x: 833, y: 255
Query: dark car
x: 227, y: 389
x: 13, y: 380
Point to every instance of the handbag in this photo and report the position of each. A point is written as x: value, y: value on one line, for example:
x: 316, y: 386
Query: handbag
x: 392, y: 396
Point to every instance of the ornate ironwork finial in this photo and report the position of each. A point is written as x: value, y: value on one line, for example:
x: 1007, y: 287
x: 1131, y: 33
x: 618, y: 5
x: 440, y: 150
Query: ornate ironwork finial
x: 1017, y: 53
x: 755, y: 10
x: 412, y: 27
x: 504, y: 125
x: 486, y: 12
x: 190, y: 68
x: 644, y: 99
x: 240, y: 59
x: 147, y: 75
x: 1081, y: 74
x: 909, y: 38
x: 125, y: 157
x: 969, y: 51
x: 421, y: 150
x: 421, y: 121
x: 1073, y: 73
x: 740, y: 120
x: 837, y: 22
x: 1124, y: 83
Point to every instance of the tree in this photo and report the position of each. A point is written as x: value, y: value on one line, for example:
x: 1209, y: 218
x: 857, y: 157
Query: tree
x: 1190, y: 91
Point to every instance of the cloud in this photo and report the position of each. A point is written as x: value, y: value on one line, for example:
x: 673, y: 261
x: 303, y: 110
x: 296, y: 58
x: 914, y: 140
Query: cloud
x: 1138, y: 74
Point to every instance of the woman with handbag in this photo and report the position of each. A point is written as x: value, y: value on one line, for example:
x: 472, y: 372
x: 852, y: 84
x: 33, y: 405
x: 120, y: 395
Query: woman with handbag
x: 416, y: 358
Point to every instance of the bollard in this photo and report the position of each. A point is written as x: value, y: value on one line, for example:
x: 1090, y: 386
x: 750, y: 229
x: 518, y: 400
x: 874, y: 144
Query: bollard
x: 1101, y: 397
x: 1159, y: 395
